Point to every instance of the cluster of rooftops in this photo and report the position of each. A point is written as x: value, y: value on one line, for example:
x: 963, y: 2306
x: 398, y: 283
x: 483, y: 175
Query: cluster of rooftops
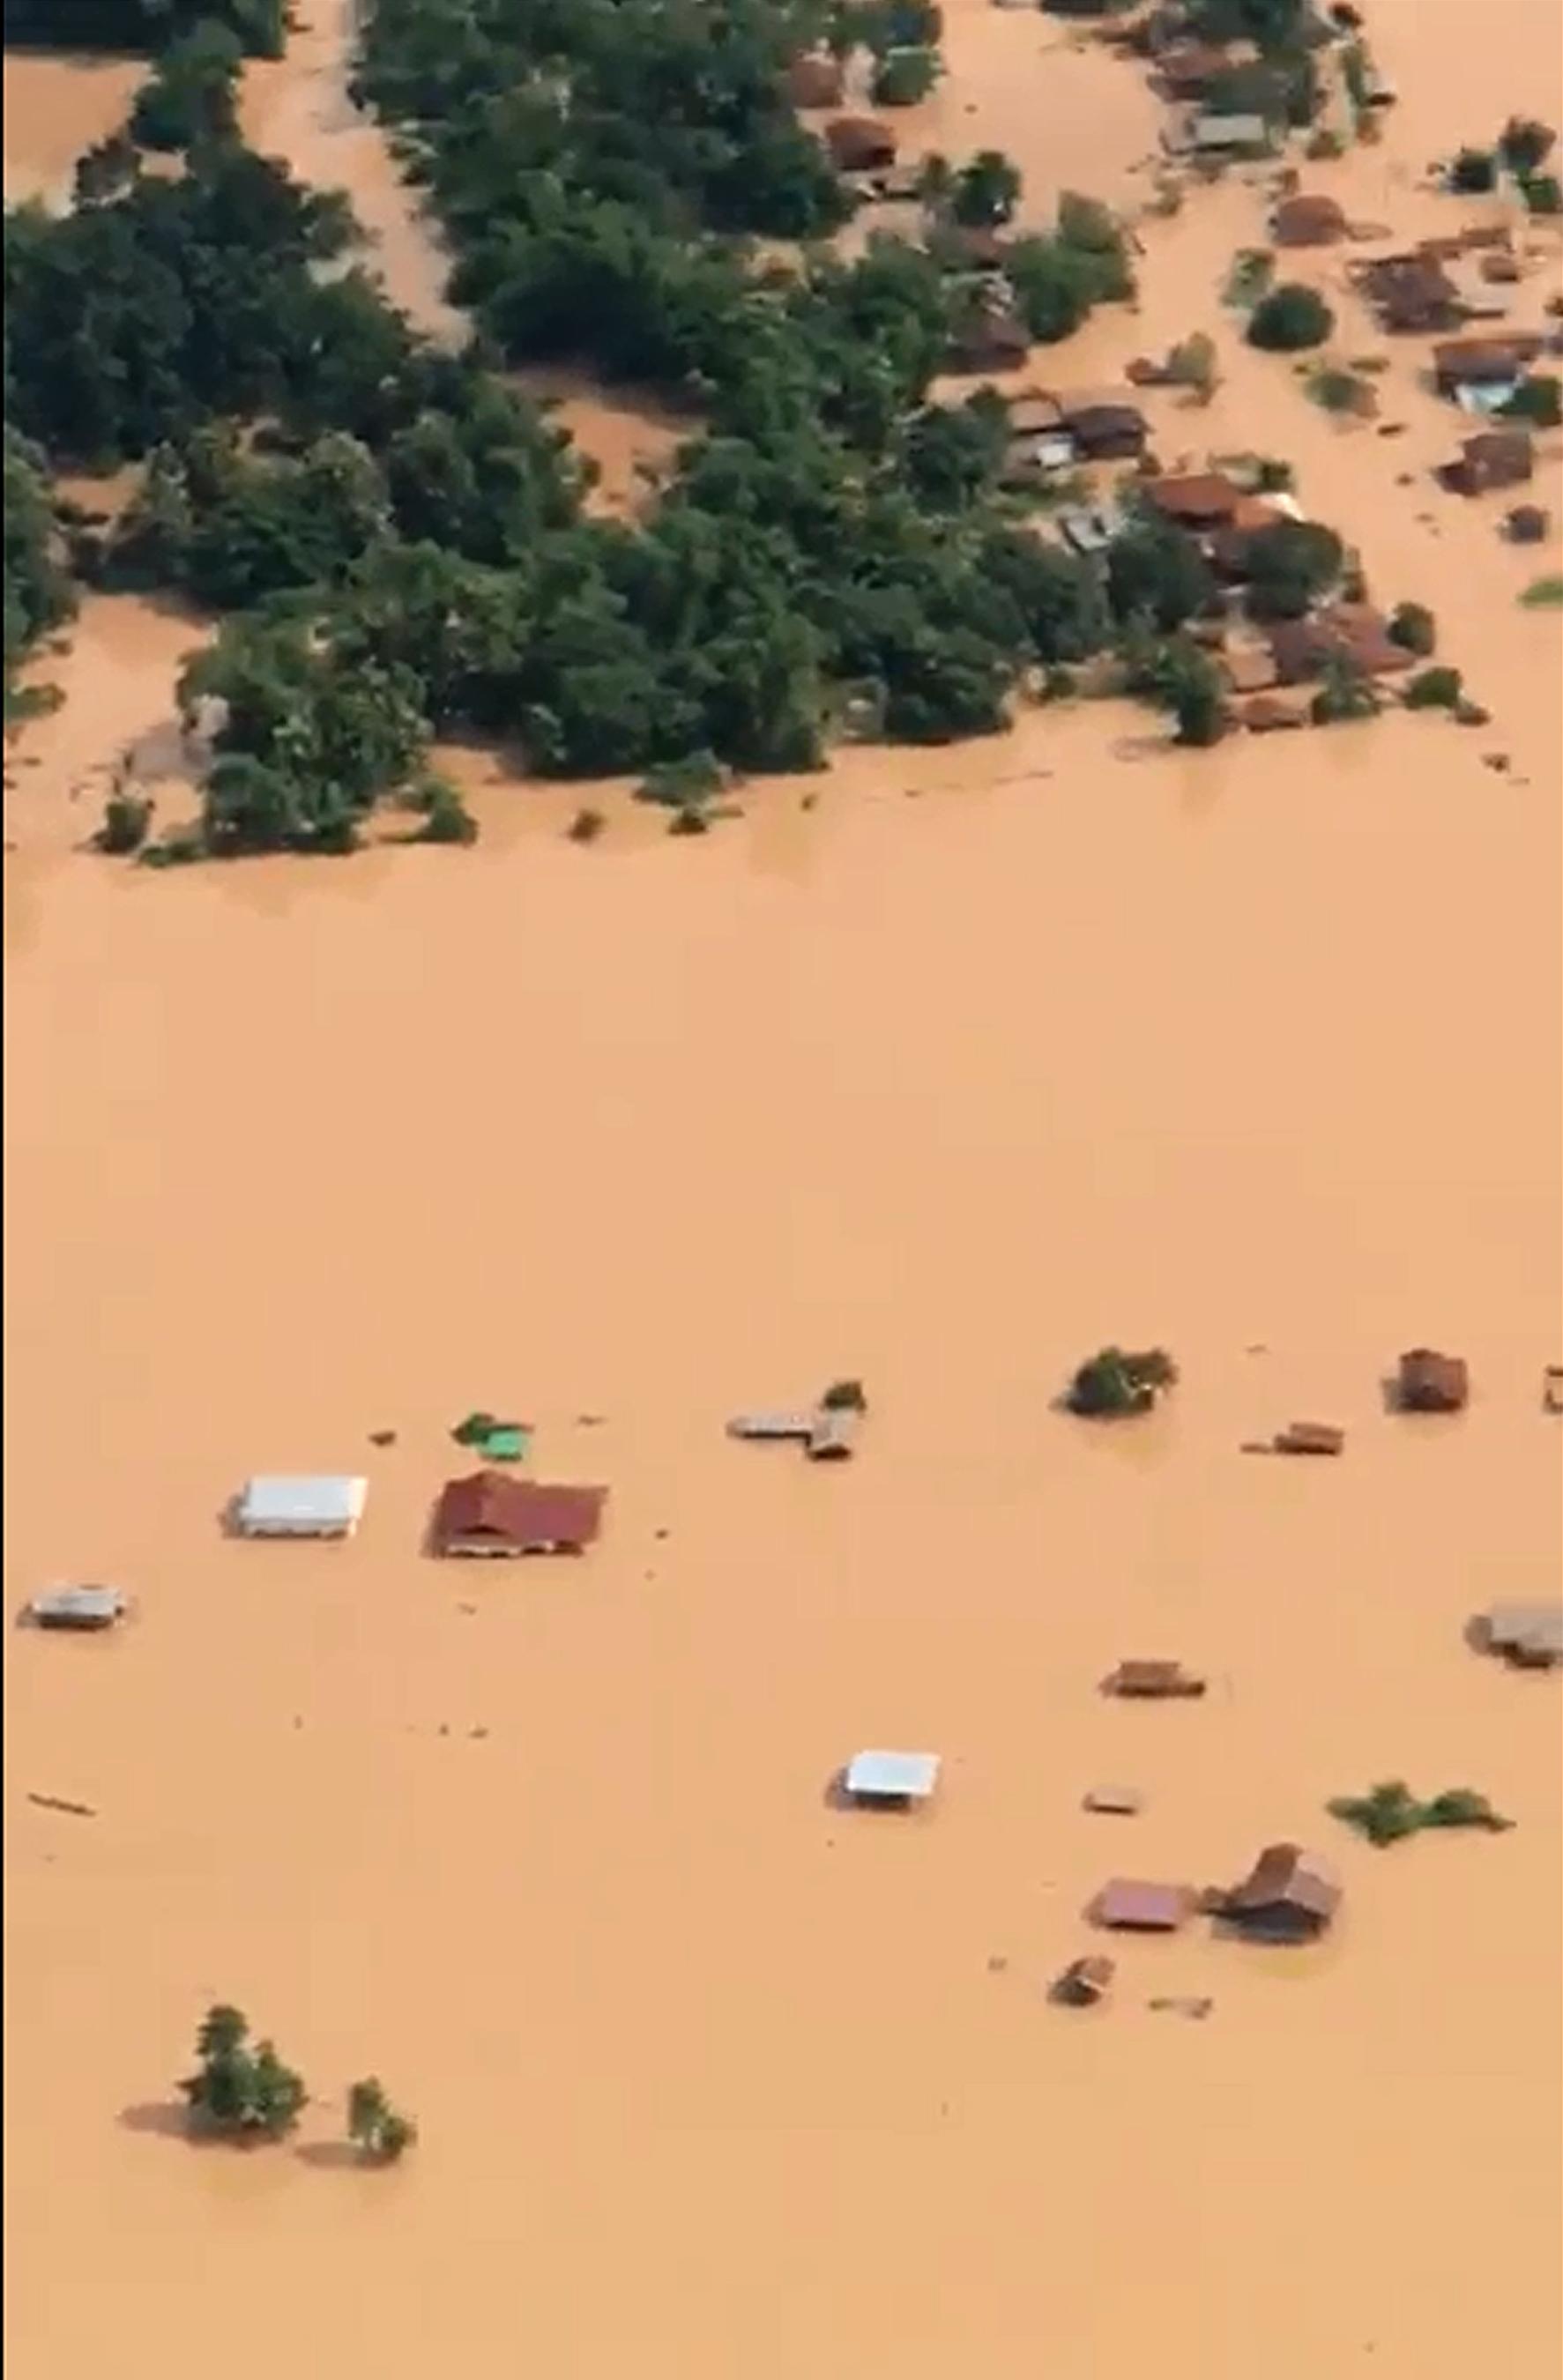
x: 487, y: 1511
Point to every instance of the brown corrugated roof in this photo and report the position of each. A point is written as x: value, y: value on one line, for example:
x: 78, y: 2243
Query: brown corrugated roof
x: 1308, y: 221
x: 1431, y: 1382
x: 1147, y: 1908
x: 1348, y: 632
x: 814, y: 82
x: 1285, y: 1876
x: 1502, y: 457
x: 1474, y: 360
x: 1204, y: 497
x: 858, y: 142
x: 517, y: 1513
x: 1154, y: 1678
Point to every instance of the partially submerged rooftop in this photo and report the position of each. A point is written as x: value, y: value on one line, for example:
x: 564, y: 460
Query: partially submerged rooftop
x: 76, y: 1606
x: 302, y: 1504
x: 1132, y: 1904
x: 1529, y: 1634
x: 896, y: 1777
x: 492, y: 1512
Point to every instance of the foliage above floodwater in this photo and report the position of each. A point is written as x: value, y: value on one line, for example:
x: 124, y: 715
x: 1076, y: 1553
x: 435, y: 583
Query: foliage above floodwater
x: 1390, y: 1813
x: 401, y: 543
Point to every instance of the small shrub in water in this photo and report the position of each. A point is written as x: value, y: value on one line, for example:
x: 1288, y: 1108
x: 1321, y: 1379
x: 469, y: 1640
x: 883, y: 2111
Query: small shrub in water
x: 1473, y: 172
x: 1390, y: 1813
x: 126, y: 822
x: 1290, y: 318
x: 1113, y: 1382
x: 238, y: 2092
x: 1434, y: 689
x: 374, y: 2126
x: 1413, y: 628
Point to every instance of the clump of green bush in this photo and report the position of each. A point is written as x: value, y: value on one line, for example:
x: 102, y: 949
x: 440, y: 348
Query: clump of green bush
x: 1114, y: 1382
x: 1434, y: 689
x: 1290, y: 318
x: 1390, y: 1813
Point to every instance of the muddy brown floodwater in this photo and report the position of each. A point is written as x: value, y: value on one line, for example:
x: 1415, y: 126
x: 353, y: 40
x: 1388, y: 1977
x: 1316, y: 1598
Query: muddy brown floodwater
x: 1255, y: 1052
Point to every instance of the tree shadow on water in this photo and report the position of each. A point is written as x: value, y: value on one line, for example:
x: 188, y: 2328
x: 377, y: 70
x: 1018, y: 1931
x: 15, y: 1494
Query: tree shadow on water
x: 165, y: 2119
x: 329, y: 2157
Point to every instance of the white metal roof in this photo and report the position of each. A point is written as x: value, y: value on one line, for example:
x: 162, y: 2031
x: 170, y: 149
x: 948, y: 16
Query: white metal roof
x: 1535, y: 1626
x: 79, y: 1603
x: 322, y: 1499
x: 898, y: 1776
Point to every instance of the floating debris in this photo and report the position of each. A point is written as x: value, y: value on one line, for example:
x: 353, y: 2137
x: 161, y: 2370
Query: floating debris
x: 1196, y: 2006
x: 1117, y: 1801
x: 58, y: 1801
x: 1085, y: 1982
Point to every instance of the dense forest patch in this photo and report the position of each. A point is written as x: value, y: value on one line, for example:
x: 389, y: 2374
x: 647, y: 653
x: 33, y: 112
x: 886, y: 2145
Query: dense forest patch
x: 396, y: 538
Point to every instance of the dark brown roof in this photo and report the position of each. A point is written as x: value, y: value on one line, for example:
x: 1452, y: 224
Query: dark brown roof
x: 1308, y: 222
x: 1411, y: 293
x: 814, y: 82
x: 1106, y: 421
x: 857, y: 143
x: 1266, y: 713
x: 1498, y: 458
x: 989, y: 341
x: 1153, y: 1678
x: 1429, y: 1382
x: 1310, y: 1438
x: 1285, y: 1876
x: 490, y: 1505
x: 1201, y: 498
x: 1349, y: 632
x: 1476, y: 360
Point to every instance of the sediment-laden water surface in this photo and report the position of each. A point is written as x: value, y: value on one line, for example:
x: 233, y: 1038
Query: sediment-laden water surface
x: 982, y: 1058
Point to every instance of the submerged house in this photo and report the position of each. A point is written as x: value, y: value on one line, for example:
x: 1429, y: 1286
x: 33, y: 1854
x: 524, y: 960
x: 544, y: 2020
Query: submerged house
x: 1106, y: 428
x: 1286, y: 1897
x: 989, y: 339
x: 769, y: 1427
x: 1128, y: 1905
x: 832, y: 1433
x: 1428, y: 1382
x: 76, y: 1606
x: 490, y: 1513
x: 1194, y: 500
x: 1492, y: 459
x: 1310, y: 1438
x: 1308, y: 220
x: 1153, y: 1681
x: 815, y: 82
x: 1487, y: 363
x: 1528, y: 1634
x: 1411, y: 294
x: 893, y: 1780
x: 325, y: 1504
x: 1351, y: 633
x: 860, y: 144
x: 1213, y: 135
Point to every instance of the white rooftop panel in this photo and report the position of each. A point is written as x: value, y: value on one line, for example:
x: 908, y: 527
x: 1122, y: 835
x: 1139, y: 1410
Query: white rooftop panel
x: 315, y: 1500
x: 894, y: 1776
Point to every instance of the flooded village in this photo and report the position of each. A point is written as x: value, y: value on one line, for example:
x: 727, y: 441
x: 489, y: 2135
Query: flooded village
x: 967, y: 1754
